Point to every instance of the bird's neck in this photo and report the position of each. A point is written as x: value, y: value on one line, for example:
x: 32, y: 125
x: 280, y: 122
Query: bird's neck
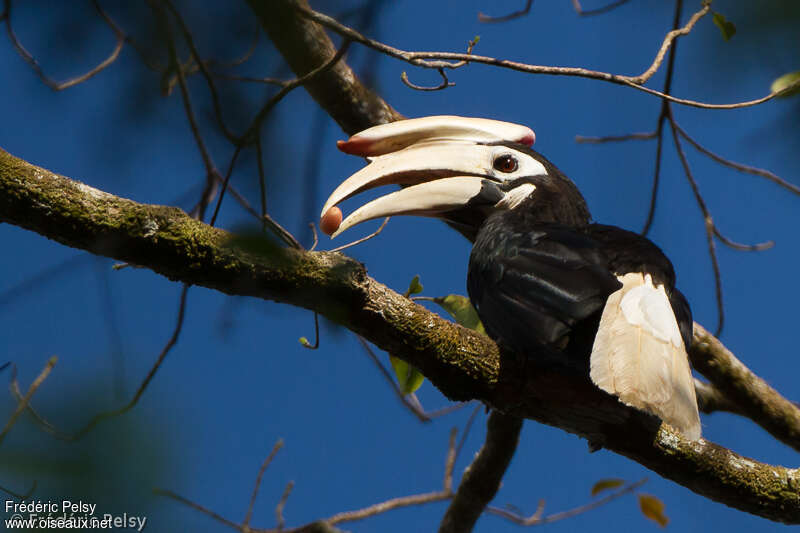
x: 564, y: 207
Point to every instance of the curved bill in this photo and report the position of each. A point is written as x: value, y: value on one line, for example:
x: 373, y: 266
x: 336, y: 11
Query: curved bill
x: 426, y: 199
x: 394, y: 136
x: 414, y: 165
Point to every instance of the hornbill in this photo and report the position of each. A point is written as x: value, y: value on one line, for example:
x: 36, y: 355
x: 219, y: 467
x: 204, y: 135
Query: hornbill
x: 546, y: 281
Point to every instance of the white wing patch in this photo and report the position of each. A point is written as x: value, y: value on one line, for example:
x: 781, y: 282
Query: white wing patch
x: 638, y: 354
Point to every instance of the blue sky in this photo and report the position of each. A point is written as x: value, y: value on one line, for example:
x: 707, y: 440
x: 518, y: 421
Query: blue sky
x: 238, y: 380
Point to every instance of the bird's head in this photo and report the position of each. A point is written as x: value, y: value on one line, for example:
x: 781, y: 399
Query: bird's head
x: 458, y: 169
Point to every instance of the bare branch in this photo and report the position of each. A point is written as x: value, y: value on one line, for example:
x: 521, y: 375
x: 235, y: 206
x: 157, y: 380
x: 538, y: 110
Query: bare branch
x: 410, y: 401
x: 749, y: 393
x: 482, y: 479
x: 444, y: 85
x: 758, y: 247
x: 60, y: 86
x: 709, y: 225
x: 738, y: 166
x: 405, y: 501
x: 53, y: 430
x: 645, y: 136
x: 597, y: 11
x: 454, y: 60
x: 536, y: 519
x: 206, y: 511
x: 255, y: 125
x: 259, y: 477
x: 363, y: 239
x: 25, y: 400
x: 306, y: 46
x: 304, y: 343
x: 503, y: 18
x: 281, y: 504
x: 671, y: 36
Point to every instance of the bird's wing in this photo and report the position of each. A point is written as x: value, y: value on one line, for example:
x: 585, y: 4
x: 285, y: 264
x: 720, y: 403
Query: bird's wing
x: 639, y: 354
x: 531, y: 288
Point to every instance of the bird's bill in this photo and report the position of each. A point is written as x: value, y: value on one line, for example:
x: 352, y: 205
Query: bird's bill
x: 432, y: 198
x: 414, y: 165
x: 387, y: 138
x: 445, y: 163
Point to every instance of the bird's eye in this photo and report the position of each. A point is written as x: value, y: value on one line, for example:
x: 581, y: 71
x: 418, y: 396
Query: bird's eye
x: 506, y: 163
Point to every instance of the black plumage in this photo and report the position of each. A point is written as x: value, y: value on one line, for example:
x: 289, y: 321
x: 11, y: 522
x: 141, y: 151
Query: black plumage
x: 540, y: 274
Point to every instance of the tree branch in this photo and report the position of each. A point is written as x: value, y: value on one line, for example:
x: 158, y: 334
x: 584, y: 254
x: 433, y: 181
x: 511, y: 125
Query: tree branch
x: 305, y: 46
x: 461, y: 363
x: 482, y: 479
x: 753, y: 397
x: 292, y: 48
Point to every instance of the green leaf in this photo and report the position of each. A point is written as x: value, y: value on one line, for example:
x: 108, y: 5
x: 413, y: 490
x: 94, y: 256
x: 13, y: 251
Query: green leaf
x: 606, y: 484
x: 408, y: 377
x: 790, y: 78
x: 304, y: 342
x: 460, y: 308
x: 415, y: 287
x: 726, y: 27
x: 653, y: 508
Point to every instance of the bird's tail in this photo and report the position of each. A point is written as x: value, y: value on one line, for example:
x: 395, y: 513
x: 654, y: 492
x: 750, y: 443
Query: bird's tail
x: 638, y: 355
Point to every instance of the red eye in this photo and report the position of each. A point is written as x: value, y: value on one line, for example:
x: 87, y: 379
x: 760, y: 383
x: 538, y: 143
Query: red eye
x: 506, y: 163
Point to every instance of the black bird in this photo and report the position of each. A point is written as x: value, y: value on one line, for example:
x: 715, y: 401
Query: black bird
x: 545, y: 280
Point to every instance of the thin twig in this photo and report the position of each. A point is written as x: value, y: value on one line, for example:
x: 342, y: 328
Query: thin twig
x: 248, y: 79
x: 651, y: 210
x: 662, y: 117
x: 225, y: 185
x: 50, y: 428
x: 206, y: 511
x: 187, y: 101
x: 454, y: 60
x: 598, y: 10
x: 281, y: 504
x: 738, y: 166
x: 316, y: 335
x: 362, y: 239
x: 409, y: 400
x: 201, y: 65
x: 60, y: 86
x: 709, y: 226
x: 262, y: 182
x: 349, y: 516
x: 259, y: 477
x: 25, y: 400
x: 668, y: 40
x: 405, y: 501
x: 467, y: 428
x: 246, y: 56
x: 315, y: 237
x: 758, y: 247
x: 536, y: 519
x: 644, y: 136
x: 444, y: 85
x: 251, y: 132
x: 503, y: 18
x: 282, y: 232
